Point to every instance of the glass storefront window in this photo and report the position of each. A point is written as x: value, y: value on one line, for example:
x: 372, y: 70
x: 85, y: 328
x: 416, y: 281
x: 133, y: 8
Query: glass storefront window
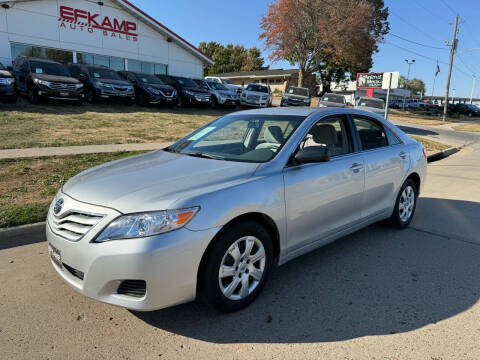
x: 113, y: 63
x: 134, y: 65
x: 146, y: 67
x: 160, y: 69
x: 117, y: 64
x: 61, y: 56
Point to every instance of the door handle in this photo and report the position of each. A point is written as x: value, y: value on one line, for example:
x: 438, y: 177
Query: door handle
x: 403, y: 155
x: 356, y: 167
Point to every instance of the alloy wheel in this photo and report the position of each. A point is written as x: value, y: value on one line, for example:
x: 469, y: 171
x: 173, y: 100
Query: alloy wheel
x: 242, y: 268
x: 406, y: 203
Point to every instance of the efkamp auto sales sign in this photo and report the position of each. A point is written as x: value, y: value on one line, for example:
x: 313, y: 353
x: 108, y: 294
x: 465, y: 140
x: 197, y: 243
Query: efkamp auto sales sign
x: 81, y: 20
x: 369, y: 80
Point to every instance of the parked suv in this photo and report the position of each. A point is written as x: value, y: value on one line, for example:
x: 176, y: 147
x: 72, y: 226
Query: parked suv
x: 149, y: 89
x: 258, y: 95
x: 7, y: 86
x: 102, y: 83
x: 189, y: 93
x: 225, y: 82
x: 220, y: 95
x: 296, y: 96
x: 45, y: 79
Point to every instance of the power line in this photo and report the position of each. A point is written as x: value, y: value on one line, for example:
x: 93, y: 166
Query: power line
x: 417, y: 43
x: 466, y: 66
x: 436, y: 16
x: 415, y: 27
x: 449, y: 7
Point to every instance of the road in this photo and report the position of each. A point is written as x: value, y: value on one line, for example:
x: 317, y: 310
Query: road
x: 376, y: 294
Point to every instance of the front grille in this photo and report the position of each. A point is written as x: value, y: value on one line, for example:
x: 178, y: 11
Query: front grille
x: 62, y: 86
x: 166, y: 92
x: 73, y: 224
x: 135, y: 288
x: 253, y: 97
x: 120, y: 88
x: 77, y: 273
x: 3, y: 81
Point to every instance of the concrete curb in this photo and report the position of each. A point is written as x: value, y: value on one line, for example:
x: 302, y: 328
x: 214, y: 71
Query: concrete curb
x: 22, y: 235
x: 443, y: 154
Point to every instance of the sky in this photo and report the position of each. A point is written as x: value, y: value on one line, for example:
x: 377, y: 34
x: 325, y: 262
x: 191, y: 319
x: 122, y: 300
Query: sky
x: 426, y: 22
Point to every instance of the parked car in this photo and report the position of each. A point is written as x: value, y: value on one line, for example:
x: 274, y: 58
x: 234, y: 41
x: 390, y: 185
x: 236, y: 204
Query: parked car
x: 149, y: 89
x: 226, y: 82
x: 332, y: 100
x: 210, y: 216
x: 256, y: 95
x: 189, y: 93
x: 374, y: 105
x: 41, y: 79
x: 7, y: 86
x: 102, y: 83
x: 220, y: 95
x: 296, y: 96
x: 469, y: 110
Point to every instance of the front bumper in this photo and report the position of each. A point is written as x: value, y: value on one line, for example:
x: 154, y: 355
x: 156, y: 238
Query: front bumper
x: 290, y: 102
x: 47, y: 93
x: 168, y: 263
x: 198, y: 99
x: 7, y: 92
x: 159, y: 99
x: 254, y: 103
x: 115, y: 94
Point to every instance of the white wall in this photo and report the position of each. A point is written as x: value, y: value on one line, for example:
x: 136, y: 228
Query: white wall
x: 36, y: 23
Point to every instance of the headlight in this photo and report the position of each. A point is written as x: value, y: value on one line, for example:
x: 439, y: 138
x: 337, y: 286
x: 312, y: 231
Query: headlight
x: 9, y: 81
x: 41, y: 82
x: 108, y: 86
x: 188, y: 92
x: 146, y: 224
x: 321, y: 105
x: 78, y: 86
x: 264, y: 98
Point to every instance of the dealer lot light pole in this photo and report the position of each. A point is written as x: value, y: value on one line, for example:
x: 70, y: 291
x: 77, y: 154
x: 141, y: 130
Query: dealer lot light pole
x: 408, y: 79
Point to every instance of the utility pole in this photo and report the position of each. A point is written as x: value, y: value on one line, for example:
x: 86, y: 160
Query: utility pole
x: 409, y: 63
x: 473, y: 89
x: 453, y: 49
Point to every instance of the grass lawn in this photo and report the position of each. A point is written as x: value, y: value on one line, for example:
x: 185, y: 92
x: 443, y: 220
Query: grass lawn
x: 24, y: 125
x: 431, y: 145
x: 27, y: 186
x: 473, y: 126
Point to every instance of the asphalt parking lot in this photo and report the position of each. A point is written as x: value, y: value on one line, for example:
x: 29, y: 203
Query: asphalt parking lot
x: 376, y: 294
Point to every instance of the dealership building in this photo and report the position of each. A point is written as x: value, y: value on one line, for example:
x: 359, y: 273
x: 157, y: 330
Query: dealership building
x: 113, y: 33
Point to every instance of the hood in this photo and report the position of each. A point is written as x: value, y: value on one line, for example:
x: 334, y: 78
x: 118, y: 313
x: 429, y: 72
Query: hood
x: 154, y: 181
x: 5, y: 74
x: 331, y: 104
x: 114, y: 82
x: 248, y: 92
x: 197, y: 90
x: 63, y: 79
x: 226, y: 93
x: 160, y: 87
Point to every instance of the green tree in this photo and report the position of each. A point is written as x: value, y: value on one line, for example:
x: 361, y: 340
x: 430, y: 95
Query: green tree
x: 231, y: 58
x: 415, y: 85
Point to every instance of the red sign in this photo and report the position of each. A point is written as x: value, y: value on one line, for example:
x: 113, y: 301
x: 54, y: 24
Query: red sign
x: 80, y: 20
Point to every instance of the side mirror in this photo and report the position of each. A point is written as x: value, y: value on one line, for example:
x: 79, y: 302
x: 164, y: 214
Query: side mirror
x: 312, y: 154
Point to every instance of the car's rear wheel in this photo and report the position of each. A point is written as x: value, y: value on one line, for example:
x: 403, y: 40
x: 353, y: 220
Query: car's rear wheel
x: 405, y: 205
x: 91, y: 98
x: 237, y: 267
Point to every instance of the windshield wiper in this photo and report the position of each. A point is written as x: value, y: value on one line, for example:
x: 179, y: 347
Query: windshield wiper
x: 203, y: 155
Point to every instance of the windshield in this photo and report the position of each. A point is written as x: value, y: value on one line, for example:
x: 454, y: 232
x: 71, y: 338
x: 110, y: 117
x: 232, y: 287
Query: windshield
x: 298, y: 91
x: 149, y: 79
x: 48, y: 68
x: 202, y: 84
x: 257, y: 88
x: 100, y: 73
x: 245, y: 138
x: 186, y: 82
x: 334, y: 98
x: 378, y: 104
x: 226, y: 81
x: 216, y: 86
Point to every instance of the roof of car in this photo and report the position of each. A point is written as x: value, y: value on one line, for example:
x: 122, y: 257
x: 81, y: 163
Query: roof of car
x: 42, y: 60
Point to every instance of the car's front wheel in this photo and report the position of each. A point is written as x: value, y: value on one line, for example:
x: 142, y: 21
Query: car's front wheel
x: 405, y: 205
x: 237, y: 266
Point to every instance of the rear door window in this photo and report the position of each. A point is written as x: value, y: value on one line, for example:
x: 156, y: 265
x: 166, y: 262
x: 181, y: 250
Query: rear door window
x: 372, y: 134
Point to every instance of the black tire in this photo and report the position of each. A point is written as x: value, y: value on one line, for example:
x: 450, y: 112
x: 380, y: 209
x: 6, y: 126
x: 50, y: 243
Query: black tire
x: 213, y: 102
x: 470, y: 115
x: 209, y: 287
x: 12, y: 100
x: 396, y: 220
x: 32, y: 97
x: 91, y: 97
x: 180, y: 102
x: 141, y: 100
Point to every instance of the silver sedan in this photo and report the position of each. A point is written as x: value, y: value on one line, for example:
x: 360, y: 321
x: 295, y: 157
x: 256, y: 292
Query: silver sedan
x: 212, y: 215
